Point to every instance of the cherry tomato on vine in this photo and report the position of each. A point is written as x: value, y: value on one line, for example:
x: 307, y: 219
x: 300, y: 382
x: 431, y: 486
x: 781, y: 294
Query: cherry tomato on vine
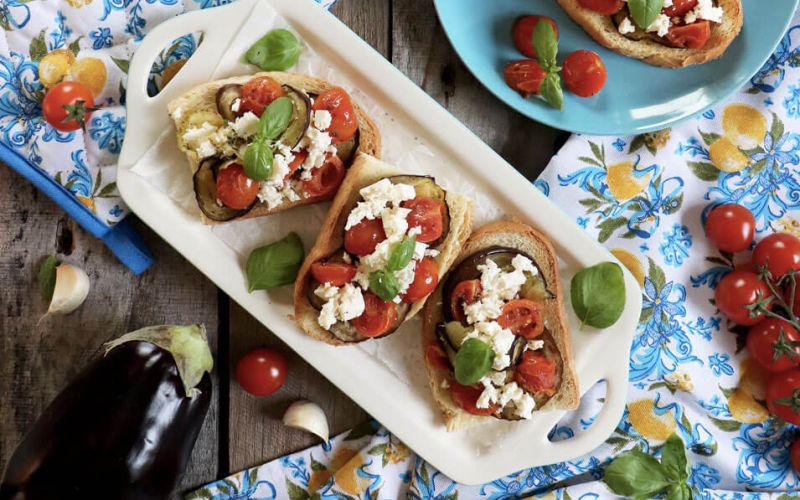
x: 522, y: 33
x: 67, y: 106
x: 775, y: 344
x: 261, y: 372
x: 783, y: 395
x: 584, y: 73
x: 780, y: 252
x: 730, y: 227
x: 738, y: 290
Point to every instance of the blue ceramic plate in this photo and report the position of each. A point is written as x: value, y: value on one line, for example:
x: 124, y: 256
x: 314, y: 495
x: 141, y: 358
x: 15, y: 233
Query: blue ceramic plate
x: 637, y: 97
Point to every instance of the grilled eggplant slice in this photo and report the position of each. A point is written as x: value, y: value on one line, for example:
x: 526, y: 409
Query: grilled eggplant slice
x: 347, y: 150
x: 226, y: 95
x: 205, y: 190
x: 301, y: 117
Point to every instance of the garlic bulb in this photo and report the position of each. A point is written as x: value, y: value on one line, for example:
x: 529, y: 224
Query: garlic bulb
x: 72, y: 287
x: 307, y: 416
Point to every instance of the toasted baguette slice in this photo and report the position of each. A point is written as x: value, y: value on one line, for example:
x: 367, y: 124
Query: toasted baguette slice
x: 202, y: 98
x: 521, y: 237
x: 603, y: 30
x: 367, y: 170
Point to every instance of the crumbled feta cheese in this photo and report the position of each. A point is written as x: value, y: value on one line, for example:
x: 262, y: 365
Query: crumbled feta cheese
x: 705, y: 9
x: 419, y: 250
x: 246, y: 125
x: 509, y: 392
x: 690, y: 17
x: 194, y: 136
x: 626, y: 26
x: 660, y: 25
x: 321, y: 119
x: 493, y: 377
x: 375, y: 261
x: 341, y: 303
x: 667, y: 4
x: 206, y: 149
x: 524, y: 264
x: 431, y: 252
x: 405, y: 277
x: 524, y: 406
x: 394, y: 221
x: 270, y: 194
x: 318, y: 145
x: 378, y: 196
x: 487, y: 397
x: 498, y: 286
x: 534, y: 345
x: 235, y: 105
x: 346, y: 258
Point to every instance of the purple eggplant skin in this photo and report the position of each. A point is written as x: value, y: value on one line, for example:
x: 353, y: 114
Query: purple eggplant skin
x: 123, y: 429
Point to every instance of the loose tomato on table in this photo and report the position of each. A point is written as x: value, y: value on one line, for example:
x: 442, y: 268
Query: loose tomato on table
x: 689, y: 36
x: 67, y: 106
x: 730, y: 227
x: 466, y: 397
x: 523, y: 317
x: 605, y: 7
x: 535, y: 373
x: 234, y: 188
x: 584, y: 73
x: 428, y: 215
x: 738, y: 290
x: 524, y: 76
x: 362, y: 238
x: 774, y: 344
x: 464, y: 293
x: 436, y: 357
x: 377, y: 318
x: 783, y: 395
x: 426, y: 277
x: 326, y: 178
x: 344, y: 123
x: 679, y: 7
x: 780, y: 252
x: 261, y: 372
x: 257, y: 94
x: 522, y: 33
x: 335, y: 273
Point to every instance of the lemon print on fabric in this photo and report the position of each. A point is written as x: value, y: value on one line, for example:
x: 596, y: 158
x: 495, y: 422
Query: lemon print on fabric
x: 77, y: 4
x: 745, y: 409
x: 744, y: 125
x: 726, y: 156
x: 630, y: 261
x: 789, y: 225
x: 321, y: 475
x: 648, y: 423
x: 170, y: 72
x: 54, y: 66
x: 624, y: 181
x: 88, y: 202
x: 347, y: 478
x: 91, y: 72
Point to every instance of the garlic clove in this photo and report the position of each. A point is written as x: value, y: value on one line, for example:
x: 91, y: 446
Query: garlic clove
x: 72, y: 287
x: 307, y: 416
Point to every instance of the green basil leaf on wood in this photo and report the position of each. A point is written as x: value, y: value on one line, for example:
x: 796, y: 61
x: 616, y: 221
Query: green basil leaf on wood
x: 276, y: 264
x: 278, y: 50
x: 473, y: 360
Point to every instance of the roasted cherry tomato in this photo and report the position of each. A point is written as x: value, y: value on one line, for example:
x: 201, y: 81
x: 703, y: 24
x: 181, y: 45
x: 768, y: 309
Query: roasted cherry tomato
x: 689, y: 36
x: 536, y: 374
x: 466, y: 292
x: 780, y: 252
x: 736, y: 291
x: 522, y: 33
x: 426, y: 277
x: 261, y: 372
x: 776, y: 352
x: 67, y: 106
x: 234, y: 189
x: 795, y: 454
x: 428, y: 215
x: 258, y: 93
x: 524, y: 76
x: 362, y: 238
x: 326, y: 178
x: 679, y: 7
x: 436, y: 357
x: 299, y: 158
x: 466, y: 397
x: 605, y: 7
x: 523, y: 317
x: 730, y: 227
x: 377, y: 318
x: 344, y: 123
x: 335, y: 273
x: 783, y: 395
x: 584, y: 73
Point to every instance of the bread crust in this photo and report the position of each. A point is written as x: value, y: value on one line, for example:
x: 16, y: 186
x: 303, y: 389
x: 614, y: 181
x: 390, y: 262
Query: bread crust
x: 367, y: 170
x: 522, y: 237
x: 203, y: 98
x: 603, y: 30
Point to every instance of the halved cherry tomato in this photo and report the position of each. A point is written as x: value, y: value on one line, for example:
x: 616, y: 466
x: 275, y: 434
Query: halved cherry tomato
x: 524, y: 76
x: 426, y: 277
x: 679, y: 7
x: 436, y: 357
x: 536, y: 374
x: 730, y: 227
x: 605, y: 7
x: 584, y: 73
x: 736, y: 291
x: 326, y: 178
x: 795, y: 453
x: 299, y: 158
x: 466, y: 397
x: 343, y: 118
x: 67, y: 106
x: 466, y: 292
x: 522, y: 33
x: 774, y: 353
x: 257, y: 94
x: 783, y: 395
x: 428, y: 215
x: 377, y: 318
x: 234, y: 189
x: 261, y: 372
x: 523, y: 317
x: 335, y: 273
x: 690, y: 36
x: 362, y: 238
x: 780, y: 252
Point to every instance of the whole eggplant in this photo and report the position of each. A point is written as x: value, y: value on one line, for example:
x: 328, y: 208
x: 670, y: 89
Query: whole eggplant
x: 125, y: 427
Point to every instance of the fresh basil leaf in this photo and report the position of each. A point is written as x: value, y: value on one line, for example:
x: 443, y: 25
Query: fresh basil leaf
x: 402, y: 254
x: 473, y: 360
x: 679, y: 491
x: 47, y: 277
x: 546, y: 45
x: 278, y: 50
x: 384, y: 284
x: 275, y: 118
x: 637, y: 475
x: 644, y: 12
x: 258, y: 160
x: 550, y: 89
x: 598, y: 294
x: 274, y: 265
x: 673, y: 458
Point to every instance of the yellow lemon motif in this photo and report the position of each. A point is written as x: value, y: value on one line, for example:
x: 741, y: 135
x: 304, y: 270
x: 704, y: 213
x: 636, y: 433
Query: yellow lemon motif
x: 91, y: 72
x: 54, y: 66
x: 657, y: 140
x: 170, y: 72
x: 745, y: 409
x: 644, y: 419
x: 317, y: 479
x: 726, y: 156
x: 77, y: 4
x: 346, y: 476
x: 753, y: 379
x: 88, y: 202
x: 744, y: 125
x: 789, y: 225
x: 630, y: 261
x: 621, y: 182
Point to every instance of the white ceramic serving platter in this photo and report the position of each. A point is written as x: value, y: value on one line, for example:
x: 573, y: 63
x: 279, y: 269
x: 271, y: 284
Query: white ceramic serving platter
x: 405, y: 408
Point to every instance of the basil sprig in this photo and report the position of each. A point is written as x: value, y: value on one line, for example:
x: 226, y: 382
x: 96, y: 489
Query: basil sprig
x: 637, y: 475
x: 384, y: 283
x: 402, y: 254
x: 598, y: 294
x: 473, y: 360
x: 47, y: 277
x: 645, y: 12
x: 546, y: 45
x: 258, y: 156
x: 278, y: 50
x: 276, y: 264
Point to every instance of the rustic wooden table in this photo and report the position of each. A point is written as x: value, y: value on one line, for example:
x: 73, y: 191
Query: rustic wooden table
x: 38, y: 358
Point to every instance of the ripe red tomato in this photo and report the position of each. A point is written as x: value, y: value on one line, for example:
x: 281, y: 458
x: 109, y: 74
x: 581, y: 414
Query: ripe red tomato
x: 524, y: 76
x: 326, y: 178
x: 605, y: 7
x: 730, y: 227
x: 261, y: 372
x: 299, y: 159
x: 522, y: 33
x: 690, y: 36
x: 426, y: 277
x: 344, y: 123
x: 67, y: 106
x: 780, y: 252
x: 258, y: 93
x: 466, y: 292
x: 679, y: 7
x: 584, y: 73
x: 362, y: 238
x: 535, y: 373
x: 766, y: 346
x: 795, y: 453
x: 428, y: 215
x: 788, y: 297
x: 234, y: 188
x: 466, y: 397
x: 736, y: 291
x: 377, y: 318
x: 523, y: 317
x: 783, y: 395
x: 436, y: 358
x: 335, y: 273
